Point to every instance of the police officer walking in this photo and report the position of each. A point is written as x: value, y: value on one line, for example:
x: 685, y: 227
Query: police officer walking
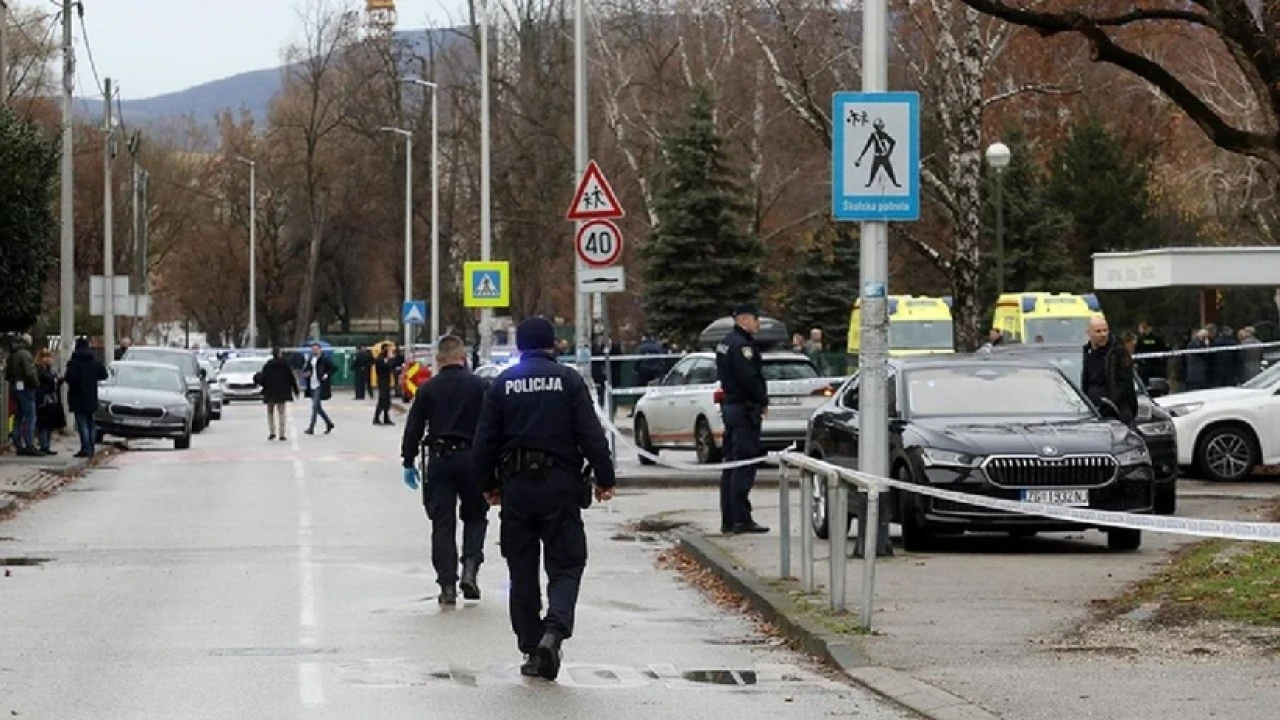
x: 447, y: 408
x: 537, y: 425
x: 746, y: 400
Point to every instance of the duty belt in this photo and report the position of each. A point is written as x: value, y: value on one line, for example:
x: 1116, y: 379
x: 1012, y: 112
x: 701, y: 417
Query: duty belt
x: 446, y: 446
x: 523, y: 461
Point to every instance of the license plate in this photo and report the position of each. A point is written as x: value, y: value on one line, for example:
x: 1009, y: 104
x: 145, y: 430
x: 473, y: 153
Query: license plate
x: 1057, y: 497
x: 136, y: 422
x: 785, y: 400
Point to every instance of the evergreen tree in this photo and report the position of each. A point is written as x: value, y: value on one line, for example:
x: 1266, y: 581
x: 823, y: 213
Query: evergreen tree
x: 1102, y: 186
x: 28, y: 176
x: 825, y: 286
x: 1034, y: 227
x: 699, y: 260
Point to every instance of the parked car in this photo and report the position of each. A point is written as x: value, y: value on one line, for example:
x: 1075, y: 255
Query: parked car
x: 145, y: 400
x: 1153, y: 423
x: 196, y: 377
x: 683, y: 409
x: 998, y: 427
x: 236, y: 378
x: 1226, y: 432
x: 215, y: 386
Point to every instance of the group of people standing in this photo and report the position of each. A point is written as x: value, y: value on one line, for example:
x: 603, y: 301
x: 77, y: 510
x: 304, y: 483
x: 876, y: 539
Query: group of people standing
x: 386, y: 365
x: 37, y: 387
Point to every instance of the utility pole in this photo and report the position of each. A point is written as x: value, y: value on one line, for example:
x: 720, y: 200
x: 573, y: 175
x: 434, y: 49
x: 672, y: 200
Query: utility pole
x: 108, y: 220
x: 67, y: 281
x: 4, y: 53
x: 253, y: 250
x: 135, y: 144
x: 434, y: 310
x: 582, y: 316
x: 486, y: 220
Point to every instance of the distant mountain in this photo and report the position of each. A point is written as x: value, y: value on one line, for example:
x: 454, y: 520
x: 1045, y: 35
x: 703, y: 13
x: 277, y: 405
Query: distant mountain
x: 254, y: 90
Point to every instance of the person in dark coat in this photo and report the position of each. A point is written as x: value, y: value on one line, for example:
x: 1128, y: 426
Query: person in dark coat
x: 279, y: 388
x: 49, y: 413
x: 316, y: 376
x: 84, y: 372
x: 1226, y: 361
x: 1106, y: 371
x: 361, y: 365
x: 385, y: 367
x: 1196, y: 369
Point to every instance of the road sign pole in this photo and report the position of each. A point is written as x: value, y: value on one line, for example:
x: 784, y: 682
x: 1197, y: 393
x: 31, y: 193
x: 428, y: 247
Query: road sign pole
x: 873, y: 441
x: 582, y: 330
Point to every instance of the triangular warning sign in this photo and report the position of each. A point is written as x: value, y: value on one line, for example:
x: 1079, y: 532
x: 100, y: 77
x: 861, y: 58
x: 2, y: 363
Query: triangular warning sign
x: 594, y: 198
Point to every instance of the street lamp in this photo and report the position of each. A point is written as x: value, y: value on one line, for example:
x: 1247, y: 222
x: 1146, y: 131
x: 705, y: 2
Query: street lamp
x: 408, y: 228
x: 434, y: 309
x: 998, y: 157
x: 253, y: 250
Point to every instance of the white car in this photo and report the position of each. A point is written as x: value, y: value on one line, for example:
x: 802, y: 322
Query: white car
x: 236, y: 378
x: 1227, y: 432
x: 682, y: 410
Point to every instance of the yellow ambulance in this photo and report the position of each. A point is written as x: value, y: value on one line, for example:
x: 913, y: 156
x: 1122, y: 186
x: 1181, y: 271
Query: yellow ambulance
x: 1048, y: 318
x: 918, y: 325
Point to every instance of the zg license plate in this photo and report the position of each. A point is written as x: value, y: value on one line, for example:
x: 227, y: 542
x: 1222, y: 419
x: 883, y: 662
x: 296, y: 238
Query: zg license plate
x: 1078, y: 498
x: 785, y: 400
x: 136, y: 422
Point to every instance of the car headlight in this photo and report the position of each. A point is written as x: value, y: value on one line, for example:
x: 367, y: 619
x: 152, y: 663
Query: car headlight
x: 946, y: 458
x: 178, y: 409
x: 1184, y: 409
x: 1159, y: 427
x: 1134, y: 456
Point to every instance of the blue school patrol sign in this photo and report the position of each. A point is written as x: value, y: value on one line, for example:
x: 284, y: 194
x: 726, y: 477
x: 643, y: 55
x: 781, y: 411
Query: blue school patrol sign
x: 875, y: 156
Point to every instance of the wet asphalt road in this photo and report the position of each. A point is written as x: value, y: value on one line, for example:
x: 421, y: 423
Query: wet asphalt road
x: 247, y: 579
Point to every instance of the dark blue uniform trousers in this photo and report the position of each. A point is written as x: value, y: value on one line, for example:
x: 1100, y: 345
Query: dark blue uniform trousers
x: 450, y: 480
x: 741, y: 441
x: 541, y: 513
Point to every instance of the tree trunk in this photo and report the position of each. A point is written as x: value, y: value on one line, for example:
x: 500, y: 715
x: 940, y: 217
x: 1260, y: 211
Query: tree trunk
x: 306, y: 303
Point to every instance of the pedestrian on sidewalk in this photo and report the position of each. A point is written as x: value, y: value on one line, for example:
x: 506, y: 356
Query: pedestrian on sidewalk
x: 442, y: 425
x: 316, y: 376
x: 23, y: 380
x: 385, y: 367
x: 50, y: 416
x: 84, y: 372
x: 279, y: 388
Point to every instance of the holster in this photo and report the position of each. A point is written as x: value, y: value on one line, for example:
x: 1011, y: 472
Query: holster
x: 530, y: 464
x: 444, y: 446
x: 587, y: 490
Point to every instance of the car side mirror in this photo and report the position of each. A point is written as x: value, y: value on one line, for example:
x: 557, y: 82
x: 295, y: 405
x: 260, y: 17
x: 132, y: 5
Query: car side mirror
x: 1158, y: 387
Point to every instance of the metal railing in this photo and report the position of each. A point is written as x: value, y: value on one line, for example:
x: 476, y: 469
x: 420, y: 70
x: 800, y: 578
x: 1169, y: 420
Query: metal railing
x: 835, y: 479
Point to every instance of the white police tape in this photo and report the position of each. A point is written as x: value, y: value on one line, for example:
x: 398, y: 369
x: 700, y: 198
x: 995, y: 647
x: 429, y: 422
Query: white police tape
x: 1241, y: 347
x: 1226, y: 529
x: 676, y: 464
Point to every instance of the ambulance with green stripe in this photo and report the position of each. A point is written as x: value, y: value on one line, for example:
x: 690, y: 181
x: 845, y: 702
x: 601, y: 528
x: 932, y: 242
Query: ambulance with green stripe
x: 1048, y: 318
x: 918, y: 325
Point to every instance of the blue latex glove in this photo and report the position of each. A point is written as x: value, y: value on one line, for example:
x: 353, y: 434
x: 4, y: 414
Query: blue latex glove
x: 411, y: 479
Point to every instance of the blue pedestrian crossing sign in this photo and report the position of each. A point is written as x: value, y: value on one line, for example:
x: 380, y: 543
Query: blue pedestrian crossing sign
x: 486, y: 284
x: 414, y: 312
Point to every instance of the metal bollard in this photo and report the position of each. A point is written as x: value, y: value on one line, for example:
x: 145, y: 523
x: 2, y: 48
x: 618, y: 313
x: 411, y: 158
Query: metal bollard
x: 869, y: 559
x: 806, y: 534
x: 784, y: 520
x: 838, y: 521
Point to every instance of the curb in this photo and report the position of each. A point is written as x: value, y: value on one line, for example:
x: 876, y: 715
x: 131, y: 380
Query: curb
x: 44, y: 481
x: 780, y: 611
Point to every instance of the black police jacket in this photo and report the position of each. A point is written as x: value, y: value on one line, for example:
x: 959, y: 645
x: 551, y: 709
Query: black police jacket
x: 539, y: 404
x: 741, y: 369
x: 446, y: 408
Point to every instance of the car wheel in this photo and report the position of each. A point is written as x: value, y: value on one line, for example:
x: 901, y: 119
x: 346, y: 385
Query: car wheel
x: 818, y: 516
x: 705, y: 442
x: 643, y: 441
x: 98, y: 436
x: 917, y: 535
x: 1166, y: 498
x: 1124, y: 539
x: 217, y: 414
x: 182, y: 443
x: 1226, y: 453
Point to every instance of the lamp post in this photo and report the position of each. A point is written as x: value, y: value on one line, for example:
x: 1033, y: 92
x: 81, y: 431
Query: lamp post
x: 253, y: 250
x: 434, y: 309
x: 408, y: 228
x: 998, y: 157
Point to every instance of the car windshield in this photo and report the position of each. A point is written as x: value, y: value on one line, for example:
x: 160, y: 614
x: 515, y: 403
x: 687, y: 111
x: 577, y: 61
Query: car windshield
x: 1264, y: 380
x: 147, y: 378
x: 1069, y: 364
x: 920, y: 335
x: 1054, y: 331
x: 184, y: 361
x: 998, y: 391
x: 243, y: 365
x: 789, y: 369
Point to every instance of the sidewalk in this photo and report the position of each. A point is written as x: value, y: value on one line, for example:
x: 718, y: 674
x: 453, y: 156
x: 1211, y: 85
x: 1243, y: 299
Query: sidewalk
x: 26, y: 478
x: 1000, y: 623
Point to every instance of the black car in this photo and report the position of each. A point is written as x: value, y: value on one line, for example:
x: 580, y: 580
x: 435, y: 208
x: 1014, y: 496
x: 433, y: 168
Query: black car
x: 1153, y: 422
x: 1008, y: 428
x: 197, y: 378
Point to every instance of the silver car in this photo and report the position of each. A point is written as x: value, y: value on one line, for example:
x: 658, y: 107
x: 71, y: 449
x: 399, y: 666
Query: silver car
x: 235, y: 380
x: 145, y: 400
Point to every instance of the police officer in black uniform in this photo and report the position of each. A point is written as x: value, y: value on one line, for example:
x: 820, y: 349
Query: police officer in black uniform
x: 447, y: 409
x: 746, y: 399
x: 537, y: 425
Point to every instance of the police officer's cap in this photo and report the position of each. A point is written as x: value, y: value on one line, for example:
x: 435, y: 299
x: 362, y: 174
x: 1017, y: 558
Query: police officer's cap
x: 746, y: 309
x: 535, y: 333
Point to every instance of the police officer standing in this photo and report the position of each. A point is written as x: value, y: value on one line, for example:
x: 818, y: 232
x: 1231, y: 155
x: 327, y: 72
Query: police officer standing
x: 537, y: 425
x: 746, y: 400
x: 447, y: 408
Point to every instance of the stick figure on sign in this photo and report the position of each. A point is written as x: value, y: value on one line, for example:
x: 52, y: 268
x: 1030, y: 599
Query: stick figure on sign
x: 884, y: 145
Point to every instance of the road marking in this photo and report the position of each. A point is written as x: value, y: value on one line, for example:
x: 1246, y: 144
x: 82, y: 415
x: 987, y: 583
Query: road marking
x: 310, y: 684
x: 412, y: 673
x: 310, y: 680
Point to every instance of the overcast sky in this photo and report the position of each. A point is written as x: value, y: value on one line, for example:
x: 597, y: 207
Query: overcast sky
x: 151, y: 47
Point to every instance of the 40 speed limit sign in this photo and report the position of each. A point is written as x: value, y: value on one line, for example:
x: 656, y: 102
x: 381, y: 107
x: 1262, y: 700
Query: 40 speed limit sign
x: 599, y: 243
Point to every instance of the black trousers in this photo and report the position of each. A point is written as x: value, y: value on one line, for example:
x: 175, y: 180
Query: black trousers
x: 451, y: 482
x: 362, y: 382
x: 383, y: 409
x: 540, y: 515
x: 741, y: 441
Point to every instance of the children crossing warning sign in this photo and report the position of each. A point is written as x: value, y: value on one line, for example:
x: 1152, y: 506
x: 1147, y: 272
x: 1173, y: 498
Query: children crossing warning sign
x: 594, y: 199
x: 486, y: 284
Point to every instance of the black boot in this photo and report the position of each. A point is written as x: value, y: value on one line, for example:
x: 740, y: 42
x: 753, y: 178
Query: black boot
x: 548, y: 654
x: 531, y: 665
x: 470, y: 585
x: 448, y: 595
